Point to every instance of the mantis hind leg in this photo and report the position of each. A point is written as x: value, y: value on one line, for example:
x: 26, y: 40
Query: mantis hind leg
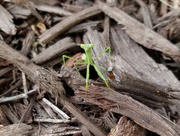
x: 79, y: 63
x: 103, y: 53
x: 100, y: 74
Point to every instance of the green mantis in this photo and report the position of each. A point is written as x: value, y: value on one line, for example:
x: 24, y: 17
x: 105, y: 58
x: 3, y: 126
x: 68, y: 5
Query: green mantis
x: 89, y: 61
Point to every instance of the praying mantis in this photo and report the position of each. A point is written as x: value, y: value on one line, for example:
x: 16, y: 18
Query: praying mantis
x: 89, y: 61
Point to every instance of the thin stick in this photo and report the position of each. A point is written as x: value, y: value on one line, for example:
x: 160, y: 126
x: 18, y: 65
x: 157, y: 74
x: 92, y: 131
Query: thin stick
x: 56, y: 109
x: 24, y: 83
x: 52, y: 120
x: 17, y: 97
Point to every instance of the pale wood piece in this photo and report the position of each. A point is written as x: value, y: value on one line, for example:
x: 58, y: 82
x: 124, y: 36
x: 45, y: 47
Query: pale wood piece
x: 17, y: 97
x: 53, y: 9
x: 54, y: 50
x: 27, y: 43
x: 20, y: 12
x: 57, y: 130
x: 164, y: 9
x: 72, y: 8
x: 170, y: 15
x: 145, y: 14
x: 45, y: 110
x: 83, y: 27
x: 49, y: 120
x: 16, y: 130
x: 29, y: 5
x: 6, y: 22
x: 56, y: 109
x: 140, y: 33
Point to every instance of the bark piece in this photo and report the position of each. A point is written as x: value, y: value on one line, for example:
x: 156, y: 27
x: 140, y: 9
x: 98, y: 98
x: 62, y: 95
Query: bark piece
x: 170, y: 15
x: 16, y: 130
x: 9, y: 114
x: 109, y: 99
x: 27, y: 43
x: 31, y: 7
x: 83, y: 27
x: 67, y: 24
x: 145, y: 14
x: 128, y: 57
x: 55, y: 10
x: 47, y: 81
x: 54, y: 50
x: 124, y: 105
x: 141, y: 34
x: 5, y: 70
x: 17, y: 97
x: 3, y: 120
x: 140, y: 113
x: 20, y: 12
x: 127, y: 127
x: 6, y: 22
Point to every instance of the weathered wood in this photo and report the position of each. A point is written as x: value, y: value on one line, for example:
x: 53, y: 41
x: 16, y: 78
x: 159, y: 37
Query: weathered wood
x: 83, y: 27
x: 16, y: 130
x: 53, y: 9
x: 127, y: 127
x: 20, y: 12
x: 3, y: 119
x: 27, y: 43
x: 5, y: 70
x: 68, y: 23
x: 47, y: 81
x: 109, y: 99
x: 9, y: 114
x: 6, y: 22
x: 128, y: 57
x: 54, y: 50
x: 170, y: 15
x: 31, y: 7
x: 145, y: 14
x: 140, y: 33
x: 125, y: 105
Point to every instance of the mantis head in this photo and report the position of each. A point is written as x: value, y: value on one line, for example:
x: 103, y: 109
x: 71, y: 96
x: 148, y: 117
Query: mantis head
x: 86, y: 47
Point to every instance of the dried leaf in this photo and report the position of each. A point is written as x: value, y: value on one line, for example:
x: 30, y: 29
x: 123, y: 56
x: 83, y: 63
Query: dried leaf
x: 70, y: 62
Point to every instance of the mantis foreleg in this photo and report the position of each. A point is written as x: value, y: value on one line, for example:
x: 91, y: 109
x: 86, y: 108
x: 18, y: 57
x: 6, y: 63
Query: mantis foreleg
x: 88, y: 61
x: 103, y: 53
x: 87, y: 76
x: 76, y: 63
x: 64, y: 56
